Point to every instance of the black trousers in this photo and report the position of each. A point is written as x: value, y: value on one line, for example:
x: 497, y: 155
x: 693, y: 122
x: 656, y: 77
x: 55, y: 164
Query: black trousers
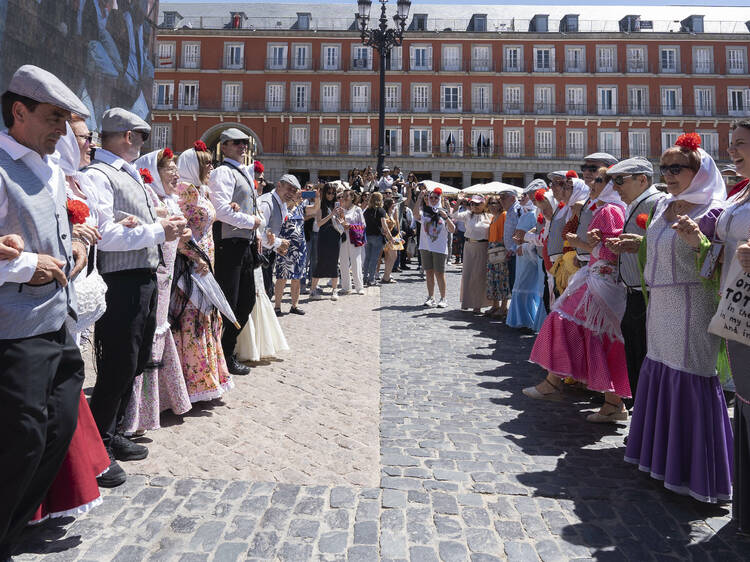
x: 268, y: 273
x: 512, y: 270
x: 545, y: 294
x: 634, y: 333
x: 40, y: 386
x: 235, y: 264
x: 123, y: 337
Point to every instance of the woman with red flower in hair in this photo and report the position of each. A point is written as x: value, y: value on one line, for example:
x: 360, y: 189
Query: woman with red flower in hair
x: 680, y: 431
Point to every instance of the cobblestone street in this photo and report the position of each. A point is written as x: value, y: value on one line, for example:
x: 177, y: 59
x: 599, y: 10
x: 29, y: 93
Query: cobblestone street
x: 390, y: 432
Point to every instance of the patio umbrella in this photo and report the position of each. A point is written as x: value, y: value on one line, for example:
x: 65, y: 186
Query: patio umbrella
x: 492, y: 188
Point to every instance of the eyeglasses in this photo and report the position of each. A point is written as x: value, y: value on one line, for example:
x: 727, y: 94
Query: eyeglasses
x: 144, y: 135
x: 620, y: 180
x: 672, y: 169
x: 238, y: 142
x: 589, y: 168
x: 474, y: 204
x: 601, y: 180
x: 86, y: 138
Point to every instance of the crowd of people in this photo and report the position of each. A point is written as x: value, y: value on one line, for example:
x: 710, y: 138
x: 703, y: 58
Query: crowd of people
x: 174, y: 269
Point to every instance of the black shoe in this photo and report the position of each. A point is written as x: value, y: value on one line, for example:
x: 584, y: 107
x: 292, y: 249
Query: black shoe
x: 405, y: 267
x: 114, y: 476
x: 124, y: 449
x: 295, y: 310
x: 237, y: 368
x: 278, y: 312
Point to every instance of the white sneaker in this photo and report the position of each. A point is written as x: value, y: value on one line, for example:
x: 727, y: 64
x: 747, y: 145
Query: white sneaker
x: 344, y: 292
x: 316, y: 295
x: 360, y: 291
x: 442, y: 303
x: 430, y: 302
x: 335, y: 295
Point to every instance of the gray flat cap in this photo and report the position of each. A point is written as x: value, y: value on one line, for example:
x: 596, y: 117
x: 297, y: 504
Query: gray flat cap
x: 534, y: 185
x: 232, y: 135
x: 559, y: 173
x: 291, y: 180
x: 728, y: 169
x: 119, y: 120
x: 608, y: 159
x: 42, y: 86
x: 636, y: 165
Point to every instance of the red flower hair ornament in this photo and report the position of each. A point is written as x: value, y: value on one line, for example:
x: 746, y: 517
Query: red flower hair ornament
x: 690, y: 141
x: 540, y: 218
x: 77, y: 211
x: 642, y: 220
x: 146, y: 175
x: 571, y: 174
x: 258, y: 167
x: 539, y: 195
x: 168, y: 153
x: 200, y: 146
x: 438, y: 191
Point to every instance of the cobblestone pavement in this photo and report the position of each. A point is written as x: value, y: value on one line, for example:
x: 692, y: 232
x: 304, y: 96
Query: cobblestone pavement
x: 469, y: 468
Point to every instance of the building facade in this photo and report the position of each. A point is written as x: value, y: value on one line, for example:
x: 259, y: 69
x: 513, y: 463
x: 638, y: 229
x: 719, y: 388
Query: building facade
x: 473, y: 94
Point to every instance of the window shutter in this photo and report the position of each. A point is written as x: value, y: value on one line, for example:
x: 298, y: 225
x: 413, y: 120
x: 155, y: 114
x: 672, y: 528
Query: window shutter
x: 460, y: 97
x: 552, y: 59
x: 429, y: 57
x: 746, y: 99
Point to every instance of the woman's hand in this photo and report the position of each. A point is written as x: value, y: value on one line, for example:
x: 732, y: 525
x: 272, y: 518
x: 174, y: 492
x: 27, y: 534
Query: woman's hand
x: 688, y: 230
x: 87, y: 233
x: 186, y: 235
x: 130, y: 222
x: 624, y: 244
x: 743, y: 256
x: 201, y: 267
x: 518, y: 236
x: 234, y: 206
x: 162, y: 212
x: 11, y: 246
x: 594, y: 236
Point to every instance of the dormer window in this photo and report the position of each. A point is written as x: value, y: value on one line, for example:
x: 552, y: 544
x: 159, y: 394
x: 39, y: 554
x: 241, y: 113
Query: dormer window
x: 479, y: 23
x: 539, y: 23
x: 170, y: 19
x: 303, y: 20
x: 419, y: 22
x: 236, y: 19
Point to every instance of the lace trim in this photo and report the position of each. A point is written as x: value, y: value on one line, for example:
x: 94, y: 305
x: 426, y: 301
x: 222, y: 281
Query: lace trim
x: 207, y: 395
x: 163, y: 329
x: 76, y: 511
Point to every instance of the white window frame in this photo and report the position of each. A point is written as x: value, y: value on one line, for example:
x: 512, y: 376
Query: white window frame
x: 326, y: 63
x: 575, y: 150
x: 396, y: 61
x: 332, y: 103
x: 165, y: 54
x: 363, y: 133
x: 738, y: 93
x: 605, y: 106
x: 638, y: 142
x: 299, y: 139
x: 161, y: 135
x: 542, y: 63
x: 167, y: 100
x: 513, y: 102
x: 633, y: 108
x: 326, y: 144
x: 360, y: 103
x: 186, y: 101
x: 457, y: 146
x: 391, y: 134
x: 575, y: 104
x: 667, y: 108
x: 710, y: 142
x: 424, y: 60
x: 425, y: 141
x: 451, y: 62
x: 703, y: 66
x: 278, y: 62
x: 513, y: 142
x: 513, y: 63
x: 417, y: 107
x: 704, y: 98
x: 606, y: 58
x: 570, y: 65
x: 639, y: 62
x: 275, y: 102
x: 668, y: 138
x: 457, y: 103
x: 544, y: 143
x: 476, y: 134
x: 481, y: 103
x: 358, y: 61
x: 294, y: 104
x: 230, y: 61
x: 736, y: 64
x: 544, y: 99
x: 303, y: 62
x: 615, y: 146
x: 231, y: 101
x: 191, y: 59
x: 393, y: 97
x: 481, y: 58
x: 669, y: 59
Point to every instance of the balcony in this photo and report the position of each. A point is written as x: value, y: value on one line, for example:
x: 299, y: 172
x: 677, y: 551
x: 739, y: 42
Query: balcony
x: 454, y: 150
x: 164, y: 103
x: 330, y: 106
x: 360, y: 149
x: 512, y: 66
x: 233, y: 62
x: 481, y: 65
x: 361, y: 106
x: 361, y: 64
x: 302, y: 63
x: 703, y: 67
x: 452, y: 64
x: 575, y: 67
x: 328, y: 149
x: 165, y: 62
x: 297, y: 149
x: 276, y: 63
x: 419, y: 64
x: 187, y: 103
x: 191, y: 61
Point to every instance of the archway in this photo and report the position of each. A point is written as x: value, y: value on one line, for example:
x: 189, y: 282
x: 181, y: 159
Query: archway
x: 211, y: 138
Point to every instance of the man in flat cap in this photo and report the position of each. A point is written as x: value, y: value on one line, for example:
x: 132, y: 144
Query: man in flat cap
x: 509, y: 201
x: 632, y: 180
x: 555, y: 244
x: 273, y: 209
x: 40, y: 364
x: 235, y: 236
x: 128, y: 258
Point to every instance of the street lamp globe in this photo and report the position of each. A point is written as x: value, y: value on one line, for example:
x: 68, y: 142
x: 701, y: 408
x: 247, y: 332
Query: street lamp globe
x: 402, y: 8
x: 364, y: 9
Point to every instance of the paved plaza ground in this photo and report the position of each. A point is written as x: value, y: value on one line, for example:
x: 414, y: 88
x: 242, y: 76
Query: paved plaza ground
x: 390, y: 432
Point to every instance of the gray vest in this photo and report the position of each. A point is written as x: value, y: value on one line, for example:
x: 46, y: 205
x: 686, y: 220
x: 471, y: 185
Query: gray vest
x: 584, y: 221
x: 244, y: 196
x: 131, y: 198
x: 555, y: 239
x: 276, y: 220
x: 43, y: 224
x: 629, y: 268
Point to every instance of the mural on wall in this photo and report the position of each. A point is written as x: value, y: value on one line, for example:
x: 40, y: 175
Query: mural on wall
x: 102, y: 49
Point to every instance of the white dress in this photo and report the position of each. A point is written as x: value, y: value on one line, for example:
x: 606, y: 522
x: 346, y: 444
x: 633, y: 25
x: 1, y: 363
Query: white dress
x: 262, y: 335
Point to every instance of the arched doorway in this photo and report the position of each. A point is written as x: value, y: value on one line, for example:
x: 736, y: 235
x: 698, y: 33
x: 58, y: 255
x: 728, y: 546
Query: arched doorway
x: 211, y: 138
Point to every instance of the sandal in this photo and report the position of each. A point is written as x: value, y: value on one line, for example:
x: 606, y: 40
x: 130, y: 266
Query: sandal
x: 553, y: 395
x: 618, y: 414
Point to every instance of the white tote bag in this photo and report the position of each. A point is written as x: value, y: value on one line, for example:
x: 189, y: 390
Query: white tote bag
x: 732, y: 318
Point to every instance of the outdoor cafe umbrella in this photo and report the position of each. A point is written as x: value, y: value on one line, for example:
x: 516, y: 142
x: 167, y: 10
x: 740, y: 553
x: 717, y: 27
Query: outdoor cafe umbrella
x: 447, y: 189
x: 492, y: 188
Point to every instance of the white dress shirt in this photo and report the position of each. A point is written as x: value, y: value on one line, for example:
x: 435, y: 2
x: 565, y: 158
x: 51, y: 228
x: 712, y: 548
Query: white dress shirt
x: 265, y: 206
x: 116, y: 237
x: 221, y: 189
x: 21, y: 269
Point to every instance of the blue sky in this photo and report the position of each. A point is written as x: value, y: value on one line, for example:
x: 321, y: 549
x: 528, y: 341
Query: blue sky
x: 742, y: 3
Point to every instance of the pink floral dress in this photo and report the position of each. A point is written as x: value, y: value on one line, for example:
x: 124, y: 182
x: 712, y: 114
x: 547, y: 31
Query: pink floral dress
x: 196, y: 334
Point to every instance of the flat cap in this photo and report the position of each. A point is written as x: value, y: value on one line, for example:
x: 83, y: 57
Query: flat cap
x: 292, y: 180
x: 636, y: 165
x: 119, y: 120
x: 728, y: 169
x: 559, y: 173
x: 608, y: 159
x: 232, y: 135
x: 44, y: 87
x: 534, y: 185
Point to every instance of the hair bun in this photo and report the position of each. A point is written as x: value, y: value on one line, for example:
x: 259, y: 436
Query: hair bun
x: 690, y: 141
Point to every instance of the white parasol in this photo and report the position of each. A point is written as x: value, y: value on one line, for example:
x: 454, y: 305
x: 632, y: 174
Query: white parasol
x: 493, y: 188
x: 447, y: 189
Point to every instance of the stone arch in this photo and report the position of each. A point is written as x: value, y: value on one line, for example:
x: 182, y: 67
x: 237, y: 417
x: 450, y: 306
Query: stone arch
x: 211, y: 137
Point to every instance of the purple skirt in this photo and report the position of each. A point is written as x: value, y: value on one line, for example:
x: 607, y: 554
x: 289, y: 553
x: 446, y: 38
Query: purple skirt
x: 680, y: 432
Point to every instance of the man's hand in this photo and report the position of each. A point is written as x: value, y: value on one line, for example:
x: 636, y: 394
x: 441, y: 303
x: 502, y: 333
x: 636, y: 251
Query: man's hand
x: 518, y: 236
x: 89, y: 234
x: 11, y: 246
x: 81, y: 255
x: 130, y: 222
x: 234, y: 206
x: 624, y: 244
x: 283, y: 247
x: 173, y: 227
x: 162, y: 212
x: 743, y: 256
x: 48, y: 269
x: 186, y: 235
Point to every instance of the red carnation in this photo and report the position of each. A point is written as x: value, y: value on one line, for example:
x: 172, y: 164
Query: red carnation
x: 200, y: 146
x: 77, y: 211
x: 691, y: 141
x: 258, y: 167
x: 560, y: 205
x: 571, y: 174
x: 592, y: 207
x: 539, y: 194
x: 540, y: 218
x: 438, y: 190
x: 168, y: 153
x: 146, y: 175
x: 642, y: 220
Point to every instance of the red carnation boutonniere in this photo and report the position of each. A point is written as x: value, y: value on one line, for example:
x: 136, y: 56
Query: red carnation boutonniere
x: 78, y: 211
x: 560, y: 205
x: 642, y: 220
x: 146, y: 175
x: 592, y: 207
x: 168, y: 153
x: 200, y: 146
x: 539, y: 194
x: 540, y: 218
x: 691, y: 141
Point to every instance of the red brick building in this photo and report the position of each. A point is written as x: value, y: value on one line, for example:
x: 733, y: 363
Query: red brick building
x: 475, y: 92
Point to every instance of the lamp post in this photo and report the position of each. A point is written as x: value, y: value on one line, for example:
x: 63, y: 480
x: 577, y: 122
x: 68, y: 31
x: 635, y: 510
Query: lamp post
x: 382, y: 38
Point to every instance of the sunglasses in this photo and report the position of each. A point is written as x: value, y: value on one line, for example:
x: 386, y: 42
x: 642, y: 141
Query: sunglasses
x: 672, y: 169
x: 620, y: 180
x: 474, y: 204
x: 239, y: 142
x: 87, y: 138
x: 589, y: 168
x: 144, y: 135
x: 601, y: 180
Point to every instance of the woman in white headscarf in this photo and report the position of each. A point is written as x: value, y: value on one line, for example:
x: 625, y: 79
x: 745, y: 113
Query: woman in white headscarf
x: 566, y: 265
x: 680, y: 432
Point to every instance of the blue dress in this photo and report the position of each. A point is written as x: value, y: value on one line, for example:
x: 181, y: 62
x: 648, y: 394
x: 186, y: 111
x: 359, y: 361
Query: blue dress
x: 526, y: 308
x: 292, y: 265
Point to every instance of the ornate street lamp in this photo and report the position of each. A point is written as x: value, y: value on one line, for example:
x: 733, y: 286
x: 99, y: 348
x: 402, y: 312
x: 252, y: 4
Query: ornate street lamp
x: 382, y: 38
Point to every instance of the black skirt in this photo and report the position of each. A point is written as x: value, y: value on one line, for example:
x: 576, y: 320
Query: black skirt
x: 739, y: 358
x: 329, y: 243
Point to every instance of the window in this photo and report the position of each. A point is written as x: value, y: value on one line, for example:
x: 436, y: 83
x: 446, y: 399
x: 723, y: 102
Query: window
x: 420, y: 57
x: 512, y: 142
x: 451, y: 97
x: 234, y: 55
x: 452, y: 141
x: 607, y: 100
x: 671, y: 100
x: 637, y: 59
x: 481, y: 95
x: 736, y: 60
x: 361, y: 58
x: 544, y: 59
x: 300, y: 97
x: 329, y: 140
x: 710, y: 142
x: 575, y: 59
x: 331, y: 57
x: 606, y: 58
x: 739, y: 101
x: 232, y: 96
x: 482, y: 142
x: 638, y: 143
x: 299, y: 140
x: 330, y: 97
x: 170, y: 19
x: 544, y: 142
x: 393, y: 97
x: 163, y: 95
x: 188, y: 95
x: 161, y: 135
x: 165, y: 54
x: 392, y: 142
x: 359, y: 140
x: 703, y: 60
x: 451, y: 57
x: 277, y: 57
x: 609, y: 142
x: 301, y: 59
x: 480, y: 22
x: 704, y: 100
x: 576, y: 143
x: 421, y: 141
x: 543, y: 99
x: 512, y: 59
x: 420, y: 97
x: 638, y: 100
x: 668, y: 59
x: 575, y: 100
x: 480, y: 58
x: 191, y: 55
x: 393, y: 60
x: 361, y: 97
x: 274, y: 97
x: 303, y: 21
x: 669, y: 138
x: 512, y: 97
